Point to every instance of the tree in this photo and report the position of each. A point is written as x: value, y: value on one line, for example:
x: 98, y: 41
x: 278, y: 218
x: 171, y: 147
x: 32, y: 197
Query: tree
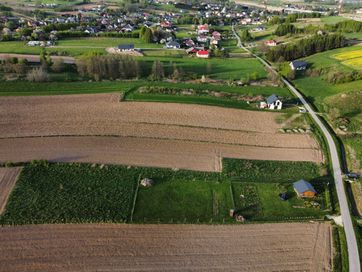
x: 285, y: 29
x: 177, y: 72
x: 58, y: 66
x: 246, y: 36
x: 45, y: 59
x: 158, y: 72
x: 147, y: 35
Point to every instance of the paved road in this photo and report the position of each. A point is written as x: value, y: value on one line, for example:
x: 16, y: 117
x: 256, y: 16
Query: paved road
x: 354, y: 262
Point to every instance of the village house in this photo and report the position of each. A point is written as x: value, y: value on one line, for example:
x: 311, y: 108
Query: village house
x: 204, y: 54
x: 203, y: 29
x: 272, y: 103
x: 127, y: 28
x: 304, y: 189
x: 173, y: 45
x: 125, y: 47
x: 271, y: 43
x: 298, y: 65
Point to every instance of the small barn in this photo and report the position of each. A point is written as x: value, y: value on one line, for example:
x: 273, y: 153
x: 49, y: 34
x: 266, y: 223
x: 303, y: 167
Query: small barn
x: 304, y: 189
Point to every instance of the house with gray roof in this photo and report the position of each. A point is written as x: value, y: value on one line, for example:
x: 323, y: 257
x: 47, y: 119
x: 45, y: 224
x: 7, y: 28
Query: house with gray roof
x: 274, y: 103
x: 304, y: 189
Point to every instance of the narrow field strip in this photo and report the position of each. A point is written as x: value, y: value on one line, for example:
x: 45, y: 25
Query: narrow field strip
x: 143, y: 152
x: 8, y: 177
x: 114, y: 247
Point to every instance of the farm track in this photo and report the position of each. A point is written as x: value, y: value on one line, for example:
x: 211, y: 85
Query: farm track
x: 8, y: 177
x: 178, y: 131
x: 112, y: 247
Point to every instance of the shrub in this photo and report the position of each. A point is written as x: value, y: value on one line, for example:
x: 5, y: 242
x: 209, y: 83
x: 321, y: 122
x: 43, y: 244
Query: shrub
x: 37, y: 75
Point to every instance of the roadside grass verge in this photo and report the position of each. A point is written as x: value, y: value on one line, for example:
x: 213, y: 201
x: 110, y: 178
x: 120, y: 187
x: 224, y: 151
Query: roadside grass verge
x: 340, y: 258
x: 79, y: 193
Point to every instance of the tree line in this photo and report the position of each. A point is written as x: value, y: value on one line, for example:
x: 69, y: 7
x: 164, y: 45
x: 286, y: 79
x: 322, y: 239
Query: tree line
x: 99, y: 67
x: 305, y: 47
x: 346, y: 26
x: 292, y: 18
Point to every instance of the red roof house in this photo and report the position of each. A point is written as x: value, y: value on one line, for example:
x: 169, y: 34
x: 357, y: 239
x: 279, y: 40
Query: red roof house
x: 203, y: 54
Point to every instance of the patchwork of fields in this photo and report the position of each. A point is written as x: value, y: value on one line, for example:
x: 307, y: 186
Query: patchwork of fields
x: 90, y: 247
x: 97, y: 128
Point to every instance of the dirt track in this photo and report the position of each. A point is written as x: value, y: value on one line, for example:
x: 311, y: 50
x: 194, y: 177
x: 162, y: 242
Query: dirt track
x: 265, y: 247
x: 8, y: 177
x: 211, y: 131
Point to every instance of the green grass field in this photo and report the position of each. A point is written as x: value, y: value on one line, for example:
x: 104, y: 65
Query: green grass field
x: 54, y: 88
x: 184, y: 200
x: 74, y: 47
x: 341, y: 102
x: 64, y: 193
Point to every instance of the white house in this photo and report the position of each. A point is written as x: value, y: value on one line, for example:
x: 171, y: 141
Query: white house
x: 298, y: 65
x: 173, y: 45
x: 272, y: 103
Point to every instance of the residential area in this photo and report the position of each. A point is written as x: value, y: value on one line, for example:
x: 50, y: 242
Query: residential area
x: 142, y: 134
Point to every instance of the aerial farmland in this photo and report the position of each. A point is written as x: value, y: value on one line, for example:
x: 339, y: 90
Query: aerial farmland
x: 176, y: 135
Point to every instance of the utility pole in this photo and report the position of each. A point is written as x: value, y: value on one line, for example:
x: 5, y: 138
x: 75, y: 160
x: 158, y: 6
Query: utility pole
x: 340, y: 5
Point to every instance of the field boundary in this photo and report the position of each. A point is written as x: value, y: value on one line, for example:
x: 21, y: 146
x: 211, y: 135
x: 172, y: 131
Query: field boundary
x: 135, y: 198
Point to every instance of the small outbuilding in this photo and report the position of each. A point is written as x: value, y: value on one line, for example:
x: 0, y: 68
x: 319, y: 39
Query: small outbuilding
x: 304, y: 189
x: 146, y: 182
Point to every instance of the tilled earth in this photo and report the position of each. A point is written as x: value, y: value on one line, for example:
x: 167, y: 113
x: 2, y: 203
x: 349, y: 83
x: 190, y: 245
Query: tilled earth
x: 94, y: 126
x: 8, y: 177
x: 112, y: 247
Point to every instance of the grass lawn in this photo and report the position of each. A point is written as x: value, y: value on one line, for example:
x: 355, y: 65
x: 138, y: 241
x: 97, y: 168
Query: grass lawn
x: 74, y: 47
x: 333, y: 19
x: 184, y: 201
x: 54, y: 88
x: 215, y: 68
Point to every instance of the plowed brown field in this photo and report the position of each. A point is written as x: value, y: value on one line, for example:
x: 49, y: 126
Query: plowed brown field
x: 264, y: 247
x: 8, y: 177
x: 249, y: 134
